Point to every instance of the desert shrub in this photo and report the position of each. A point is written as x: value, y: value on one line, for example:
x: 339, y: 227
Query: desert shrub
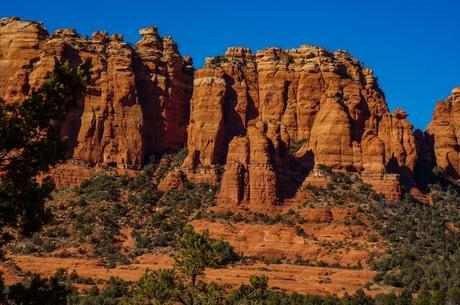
x: 34, y: 290
x: 101, y: 187
x: 324, y: 169
x: 95, y: 213
x: 424, y: 244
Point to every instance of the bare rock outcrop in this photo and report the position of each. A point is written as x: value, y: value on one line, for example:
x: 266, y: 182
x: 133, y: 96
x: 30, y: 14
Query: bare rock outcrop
x: 174, y: 180
x: 271, y: 117
x: 250, y: 176
x: 327, y: 102
x: 444, y: 134
x: 137, y: 104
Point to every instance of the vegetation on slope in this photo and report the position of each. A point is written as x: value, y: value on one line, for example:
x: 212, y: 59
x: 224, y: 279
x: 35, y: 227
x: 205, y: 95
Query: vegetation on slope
x: 181, y: 285
x: 89, y: 220
x: 423, y: 254
x: 30, y: 141
x: 425, y: 242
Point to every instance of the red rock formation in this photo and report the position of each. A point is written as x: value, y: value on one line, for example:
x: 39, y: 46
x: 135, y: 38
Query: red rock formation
x: 222, y: 104
x: 249, y: 176
x: 174, y: 180
x: 327, y: 101
x: 400, y: 145
x: 331, y: 136
x: 137, y: 105
x: 444, y: 133
x: 20, y: 49
x: 164, y: 85
x: 386, y: 184
x: 247, y: 110
x: 72, y: 173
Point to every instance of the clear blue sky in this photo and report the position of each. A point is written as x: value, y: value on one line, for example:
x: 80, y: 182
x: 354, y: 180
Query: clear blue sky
x: 413, y: 46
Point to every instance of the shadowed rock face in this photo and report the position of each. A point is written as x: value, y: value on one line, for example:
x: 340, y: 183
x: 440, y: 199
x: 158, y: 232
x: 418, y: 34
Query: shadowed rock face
x: 444, y: 134
x: 137, y: 104
x: 269, y: 101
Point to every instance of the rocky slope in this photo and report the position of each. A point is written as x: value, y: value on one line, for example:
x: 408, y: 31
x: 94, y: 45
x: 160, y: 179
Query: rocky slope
x: 137, y: 104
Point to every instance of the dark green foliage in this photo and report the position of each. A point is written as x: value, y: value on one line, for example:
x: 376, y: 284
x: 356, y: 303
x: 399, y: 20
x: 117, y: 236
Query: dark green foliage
x: 291, y: 218
x: 217, y: 61
x: 95, y: 213
x: 325, y: 169
x: 114, y: 289
x: 257, y: 292
x: 101, y: 187
x: 168, y: 162
x: 2, y: 290
x: 37, y: 291
x: 425, y: 243
x: 195, y: 252
x: 155, y: 287
x: 30, y: 141
x: 344, y: 189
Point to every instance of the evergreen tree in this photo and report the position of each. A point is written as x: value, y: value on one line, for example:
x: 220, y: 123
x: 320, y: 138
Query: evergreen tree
x: 30, y: 141
x: 157, y: 287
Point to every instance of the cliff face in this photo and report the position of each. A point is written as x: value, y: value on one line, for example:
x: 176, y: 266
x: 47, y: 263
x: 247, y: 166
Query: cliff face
x: 249, y: 110
x: 137, y: 104
x: 444, y: 134
x: 270, y: 117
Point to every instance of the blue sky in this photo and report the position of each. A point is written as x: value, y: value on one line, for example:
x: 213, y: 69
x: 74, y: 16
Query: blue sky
x: 412, y: 46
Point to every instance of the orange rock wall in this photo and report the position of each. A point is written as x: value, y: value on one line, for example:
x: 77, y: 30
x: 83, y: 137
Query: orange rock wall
x: 444, y: 134
x: 243, y: 109
x: 247, y: 110
x: 138, y: 103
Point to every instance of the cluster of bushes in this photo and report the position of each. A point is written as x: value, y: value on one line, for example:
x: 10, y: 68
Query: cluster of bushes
x: 423, y: 252
x: 59, y: 290
x: 290, y: 218
x: 344, y: 189
x: 167, y: 287
x: 193, y: 253
x: 425, y: 242
x: 167, y: 163
x: 217, y: 61
x: 183, y: 283
x: 90, y: 217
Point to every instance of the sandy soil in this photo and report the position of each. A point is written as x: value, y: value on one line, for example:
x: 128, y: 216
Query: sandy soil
x: 302, y: 279
x: 333, y: 243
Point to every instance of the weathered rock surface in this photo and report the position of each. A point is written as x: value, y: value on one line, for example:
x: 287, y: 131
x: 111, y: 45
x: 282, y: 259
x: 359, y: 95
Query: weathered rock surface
x: 269, y: 117
x: 444, y: 134
x: 137, y: 104
x: 275, y: 99
x: 249, y: 176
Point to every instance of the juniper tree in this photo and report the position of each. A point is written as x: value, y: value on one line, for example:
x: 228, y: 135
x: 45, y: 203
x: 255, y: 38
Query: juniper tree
x: 31, y: 141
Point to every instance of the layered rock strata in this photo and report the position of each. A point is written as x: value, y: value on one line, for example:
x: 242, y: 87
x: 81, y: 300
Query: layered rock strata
x: 444, y: 134
x: 270, y: 118
x: 249, y: 110
x: 137, y: 104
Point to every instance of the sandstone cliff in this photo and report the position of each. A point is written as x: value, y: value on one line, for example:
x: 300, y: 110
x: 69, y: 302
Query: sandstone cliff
x: 137, y: 104
x: 269, y: 117
x: 325, y: 104
x: 444, y: 134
